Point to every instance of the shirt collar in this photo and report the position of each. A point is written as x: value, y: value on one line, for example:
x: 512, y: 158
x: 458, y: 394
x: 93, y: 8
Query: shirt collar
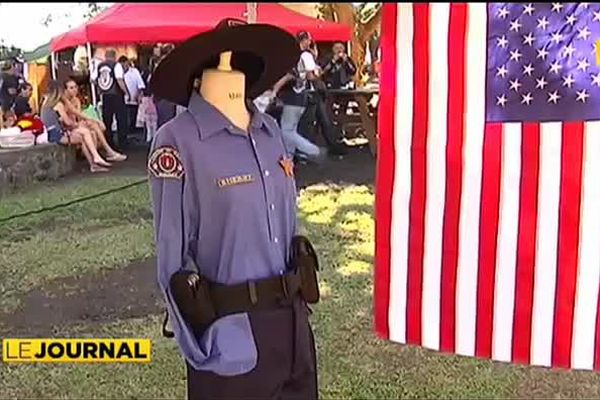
x: 211, y: 121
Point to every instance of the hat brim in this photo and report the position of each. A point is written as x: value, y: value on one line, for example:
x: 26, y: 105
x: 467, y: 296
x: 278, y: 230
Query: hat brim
x: 264, y: 53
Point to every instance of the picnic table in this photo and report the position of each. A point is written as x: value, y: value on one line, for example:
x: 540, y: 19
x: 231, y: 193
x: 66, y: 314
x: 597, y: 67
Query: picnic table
x: 368, y: 117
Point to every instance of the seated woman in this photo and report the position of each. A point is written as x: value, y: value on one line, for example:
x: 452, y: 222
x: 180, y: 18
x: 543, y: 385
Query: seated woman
x: 97, y: 128
x: 64, y: 130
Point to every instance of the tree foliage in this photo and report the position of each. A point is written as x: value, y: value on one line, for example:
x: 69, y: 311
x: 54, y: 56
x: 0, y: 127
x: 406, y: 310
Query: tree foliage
x: 365, y: 21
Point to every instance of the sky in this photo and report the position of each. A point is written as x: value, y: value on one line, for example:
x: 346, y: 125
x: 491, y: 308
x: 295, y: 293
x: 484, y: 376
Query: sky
x: 27, y: 31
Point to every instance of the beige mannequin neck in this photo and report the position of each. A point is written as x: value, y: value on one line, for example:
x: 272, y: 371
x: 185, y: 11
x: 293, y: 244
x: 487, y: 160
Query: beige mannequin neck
x: 225, y: 90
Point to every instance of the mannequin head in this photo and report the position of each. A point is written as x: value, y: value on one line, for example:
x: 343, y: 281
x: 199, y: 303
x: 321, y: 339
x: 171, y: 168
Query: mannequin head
x: 224, y: 88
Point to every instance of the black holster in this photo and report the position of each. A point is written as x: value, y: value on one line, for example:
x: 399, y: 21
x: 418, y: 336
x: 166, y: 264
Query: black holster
x: 200, y: 302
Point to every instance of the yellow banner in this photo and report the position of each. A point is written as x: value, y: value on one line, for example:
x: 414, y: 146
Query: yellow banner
x: 77, y: 350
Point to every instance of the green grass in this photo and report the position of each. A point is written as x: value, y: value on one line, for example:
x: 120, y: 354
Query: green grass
x: 353, y: 363
x: 106, y: 232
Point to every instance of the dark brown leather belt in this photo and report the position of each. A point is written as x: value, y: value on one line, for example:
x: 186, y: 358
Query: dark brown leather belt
x: 255, y: 295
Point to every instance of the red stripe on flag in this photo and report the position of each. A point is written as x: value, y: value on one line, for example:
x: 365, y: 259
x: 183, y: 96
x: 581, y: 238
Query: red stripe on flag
x: 385, y: 169
x: 416, y: 235
x: 597, y: 342
x: 525, y: 272
x: 568, y: 241
x: 454, y: 163
x: 488, y: 234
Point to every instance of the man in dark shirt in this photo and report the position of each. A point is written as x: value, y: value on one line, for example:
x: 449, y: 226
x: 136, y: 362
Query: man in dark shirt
x: 22, y: 106
x: 111, y: 83
x: 340, y: 69
x: 9, y: 83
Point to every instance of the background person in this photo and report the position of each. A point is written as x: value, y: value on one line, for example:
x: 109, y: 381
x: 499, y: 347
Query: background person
x: 62, y: 129
x: 135, y: 86
x: 293, y: 88
x: 9, y: 85
x: 97, y: 128
x: 340, y: 69
x: 113, y: 90
x: 22, y: 106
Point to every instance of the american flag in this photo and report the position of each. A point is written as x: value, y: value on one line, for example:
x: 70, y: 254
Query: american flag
x: 488, y: 181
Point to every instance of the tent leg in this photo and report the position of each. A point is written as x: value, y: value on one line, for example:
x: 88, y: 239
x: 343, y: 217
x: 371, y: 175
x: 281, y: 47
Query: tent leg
x: 53, y: 59
x: 92, y: 86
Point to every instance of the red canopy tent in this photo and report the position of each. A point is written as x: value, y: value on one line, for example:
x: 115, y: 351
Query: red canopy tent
x: 173, y: 23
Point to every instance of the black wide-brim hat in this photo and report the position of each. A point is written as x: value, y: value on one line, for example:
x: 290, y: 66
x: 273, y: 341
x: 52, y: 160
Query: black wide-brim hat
x: 264, y: 53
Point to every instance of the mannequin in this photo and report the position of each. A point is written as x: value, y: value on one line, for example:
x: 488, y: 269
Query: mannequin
x: 224, y: 88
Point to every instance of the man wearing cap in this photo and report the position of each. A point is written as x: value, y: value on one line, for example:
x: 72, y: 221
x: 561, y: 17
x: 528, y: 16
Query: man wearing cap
x: 293, y: 89
x: 234, y: 275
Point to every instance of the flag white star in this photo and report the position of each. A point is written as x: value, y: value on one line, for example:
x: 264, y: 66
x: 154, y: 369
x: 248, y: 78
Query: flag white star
x: 596, y: 79
x: 553, y: 97
x: 515, y: 25
x: 527, y: 98
x: 502, y: 41
x: 515, y: 85
x: 541, y: 83
x: 596, y: 16
x: 583, y: 33
x: 542, y: 53
x: 582, y: 96
x: 568, y: 81
x: 569, y: 50
x: 556, y: 7
x: 556, y: 37
x: 528, y: 9
x: 503, y: 12
x: 528, y: 39
x: 528, y: 69
x: 543, y: 23
x: 571, y: 19
x: 501, y: 71
x: 593, y: 48
x: 583, y: 64
x: 555, y: 67
x: 501, y: 100
x: 515, y: 55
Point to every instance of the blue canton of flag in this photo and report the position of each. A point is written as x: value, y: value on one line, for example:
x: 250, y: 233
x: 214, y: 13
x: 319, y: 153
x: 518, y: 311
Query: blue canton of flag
x: 541, y: 62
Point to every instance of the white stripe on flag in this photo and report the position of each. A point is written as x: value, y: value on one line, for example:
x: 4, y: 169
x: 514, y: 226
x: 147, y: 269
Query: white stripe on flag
x: 508, y: 229
x: 402, y: 173
x: 468, y: 252
x: 588, y: 280
x: 436, y: 172
x: 547, y: 243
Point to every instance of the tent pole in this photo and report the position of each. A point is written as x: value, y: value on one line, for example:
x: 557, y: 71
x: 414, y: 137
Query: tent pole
x: 92, y: 86
x: 251, y: 12
x: 53, y: 59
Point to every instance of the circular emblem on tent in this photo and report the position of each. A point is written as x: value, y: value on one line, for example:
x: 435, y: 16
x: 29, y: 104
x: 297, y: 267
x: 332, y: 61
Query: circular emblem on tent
x: 165, y: 163
x: 105, y: 79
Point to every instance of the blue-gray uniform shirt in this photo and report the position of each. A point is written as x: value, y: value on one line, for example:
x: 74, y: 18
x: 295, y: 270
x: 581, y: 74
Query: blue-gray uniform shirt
x: 222, y: 199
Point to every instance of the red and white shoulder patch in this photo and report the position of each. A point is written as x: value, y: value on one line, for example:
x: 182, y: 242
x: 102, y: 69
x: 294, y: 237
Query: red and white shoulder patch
x: 165, y: 162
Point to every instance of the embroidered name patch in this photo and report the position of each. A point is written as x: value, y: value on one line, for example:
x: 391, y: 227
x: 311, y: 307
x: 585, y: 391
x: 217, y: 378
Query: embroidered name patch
x: 165, y: 163
x: 235, y: 180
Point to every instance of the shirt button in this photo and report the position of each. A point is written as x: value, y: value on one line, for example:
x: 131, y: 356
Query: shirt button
x: 254, y: 142
x: 267, y: 172
x: 275, y: 240
x: 272, y: 206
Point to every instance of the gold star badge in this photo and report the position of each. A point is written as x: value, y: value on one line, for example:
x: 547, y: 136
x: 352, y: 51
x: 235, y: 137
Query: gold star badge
x: 288, y: 166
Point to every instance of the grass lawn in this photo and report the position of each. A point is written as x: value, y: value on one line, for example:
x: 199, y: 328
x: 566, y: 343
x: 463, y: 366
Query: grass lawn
x: 111, y: 232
